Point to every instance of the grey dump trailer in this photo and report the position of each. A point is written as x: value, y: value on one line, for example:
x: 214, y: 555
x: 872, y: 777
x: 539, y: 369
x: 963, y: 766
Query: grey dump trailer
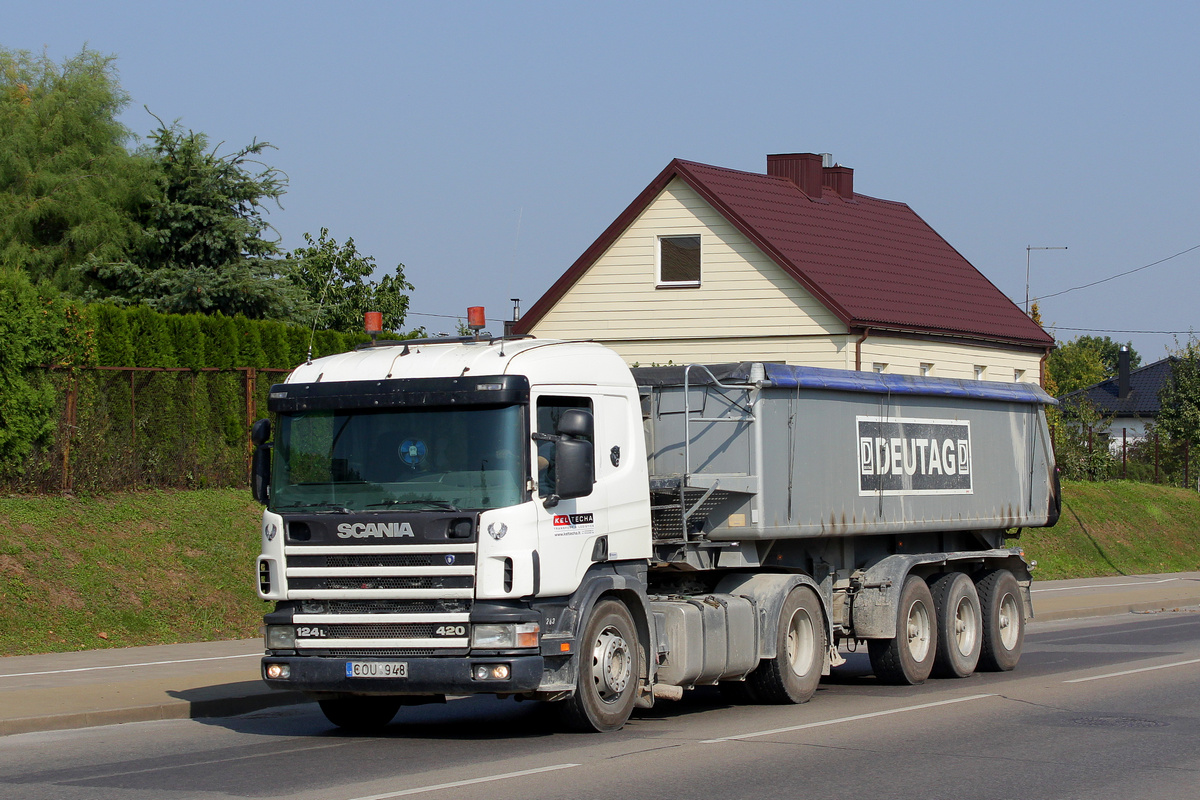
x: 888, y: 497
x: 533, y: 519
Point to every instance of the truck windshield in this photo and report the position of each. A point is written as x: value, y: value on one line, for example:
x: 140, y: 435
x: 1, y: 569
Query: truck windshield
x: 399, y: 459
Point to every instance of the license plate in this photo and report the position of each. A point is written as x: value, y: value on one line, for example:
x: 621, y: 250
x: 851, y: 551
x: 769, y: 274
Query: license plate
x: 376, y: 669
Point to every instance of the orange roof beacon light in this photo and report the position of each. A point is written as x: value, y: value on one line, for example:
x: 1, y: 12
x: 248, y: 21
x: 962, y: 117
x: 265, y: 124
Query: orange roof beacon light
x: 373, y: 323
x: 475, y: 319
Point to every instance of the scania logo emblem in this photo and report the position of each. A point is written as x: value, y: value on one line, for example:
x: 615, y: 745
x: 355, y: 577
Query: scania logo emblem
x: 449, y: 560
x: 271, y: 532
x: 497, y: 534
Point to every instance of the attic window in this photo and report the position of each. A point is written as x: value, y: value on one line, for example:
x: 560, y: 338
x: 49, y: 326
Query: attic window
x: 679, y: 261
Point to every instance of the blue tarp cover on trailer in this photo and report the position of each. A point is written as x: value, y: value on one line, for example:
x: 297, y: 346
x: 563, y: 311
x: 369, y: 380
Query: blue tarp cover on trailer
x: 788, y: 376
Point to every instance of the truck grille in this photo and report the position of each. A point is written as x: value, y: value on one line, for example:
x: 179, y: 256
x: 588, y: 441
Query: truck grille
x: 381, y: 600
x: 458, y: 582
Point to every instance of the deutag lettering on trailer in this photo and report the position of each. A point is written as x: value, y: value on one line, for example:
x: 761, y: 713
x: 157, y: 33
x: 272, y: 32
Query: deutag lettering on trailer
x: 914, y: 456
x: 378, y: 530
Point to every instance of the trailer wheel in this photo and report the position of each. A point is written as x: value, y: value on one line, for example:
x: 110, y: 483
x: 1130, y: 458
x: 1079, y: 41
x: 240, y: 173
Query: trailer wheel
x: 792, y: 676
x: 608, y: 671
x: 959, y: 624
x: 1003, y: 620
x: 908, y: 658
x: 360, y: 714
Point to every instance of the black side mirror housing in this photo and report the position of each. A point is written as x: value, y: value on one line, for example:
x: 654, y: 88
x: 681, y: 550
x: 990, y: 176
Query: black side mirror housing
x: 574, y: 471
x: 260, y: 473
x: 260, y: 431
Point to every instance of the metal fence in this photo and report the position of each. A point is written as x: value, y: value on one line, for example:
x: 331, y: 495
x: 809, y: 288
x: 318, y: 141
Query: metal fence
x: 136, y: 427
x: 1088, y: 454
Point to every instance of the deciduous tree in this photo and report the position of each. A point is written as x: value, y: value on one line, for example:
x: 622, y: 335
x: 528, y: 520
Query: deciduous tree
x: 336, y: 279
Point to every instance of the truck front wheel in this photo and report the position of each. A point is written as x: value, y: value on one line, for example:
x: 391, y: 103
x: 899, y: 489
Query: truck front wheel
x: 793, y: 675
x: 360, y: 714
x: 908, y: 658
x: 1003, y: 620
x: 609, y: 667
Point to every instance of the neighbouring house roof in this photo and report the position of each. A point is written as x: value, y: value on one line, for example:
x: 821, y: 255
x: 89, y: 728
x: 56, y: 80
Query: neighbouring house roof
x: 1142, y: 400
x: 873, y: 263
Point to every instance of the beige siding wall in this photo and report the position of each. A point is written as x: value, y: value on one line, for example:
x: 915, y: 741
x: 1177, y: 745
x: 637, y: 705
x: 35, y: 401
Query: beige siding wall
x: 814, y: 352
x: 742, y: 292
x: 949, y: 360
x: 745, y: 309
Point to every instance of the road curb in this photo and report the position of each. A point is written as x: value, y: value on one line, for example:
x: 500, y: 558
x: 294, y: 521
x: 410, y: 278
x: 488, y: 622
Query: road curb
x: 173, y: 709
x: 1187, y: 604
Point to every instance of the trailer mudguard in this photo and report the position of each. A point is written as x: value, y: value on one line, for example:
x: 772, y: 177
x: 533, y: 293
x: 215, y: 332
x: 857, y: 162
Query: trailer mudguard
x: 873, y: 606
x: 768, y: 591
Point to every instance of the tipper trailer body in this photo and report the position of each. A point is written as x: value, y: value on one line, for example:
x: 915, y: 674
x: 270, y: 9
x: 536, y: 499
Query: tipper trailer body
x: 532, y: 518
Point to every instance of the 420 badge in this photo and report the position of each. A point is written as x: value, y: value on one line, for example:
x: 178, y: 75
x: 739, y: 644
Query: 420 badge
x: 574, y: 524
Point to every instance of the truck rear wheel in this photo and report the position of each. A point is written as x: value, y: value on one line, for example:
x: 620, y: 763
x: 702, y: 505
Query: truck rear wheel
x: 793, y: 675
x: 959, y: 625
x: 360, y: 714
x: 1003, y: 620
x: 609, y: 667
x: 908, y: 658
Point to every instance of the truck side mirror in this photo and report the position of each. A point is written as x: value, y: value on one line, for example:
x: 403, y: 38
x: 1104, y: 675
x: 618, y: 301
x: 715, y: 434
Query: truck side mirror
x: 574, y: 471
x: 260, y: 431
x: 260, y: 463
x: 576, y: 422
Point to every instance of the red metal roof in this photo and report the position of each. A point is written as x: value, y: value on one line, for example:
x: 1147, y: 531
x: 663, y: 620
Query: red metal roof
x: 874, y: 263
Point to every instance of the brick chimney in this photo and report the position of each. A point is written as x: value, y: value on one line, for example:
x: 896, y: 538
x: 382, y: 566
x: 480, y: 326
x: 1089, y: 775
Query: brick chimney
x: 802, y: 169
x: 840, y: 179
x: 1123, y: 373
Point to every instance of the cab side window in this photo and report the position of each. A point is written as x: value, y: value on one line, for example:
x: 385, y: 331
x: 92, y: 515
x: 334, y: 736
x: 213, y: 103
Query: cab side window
x: 549, y: 410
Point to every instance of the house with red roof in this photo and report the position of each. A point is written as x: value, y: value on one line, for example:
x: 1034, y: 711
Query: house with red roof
x: 715, y: 265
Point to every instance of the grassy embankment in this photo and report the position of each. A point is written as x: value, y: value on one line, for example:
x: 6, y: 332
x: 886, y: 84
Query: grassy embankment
x: 172, y: 566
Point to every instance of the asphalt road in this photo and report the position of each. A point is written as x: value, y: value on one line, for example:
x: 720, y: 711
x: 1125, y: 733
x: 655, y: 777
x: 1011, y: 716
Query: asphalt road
x: 1099, y: 708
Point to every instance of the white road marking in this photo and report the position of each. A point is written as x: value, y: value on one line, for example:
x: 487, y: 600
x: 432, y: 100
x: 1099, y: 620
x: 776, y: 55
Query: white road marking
x: 1105, y: 585
x: 854, y: 718
x: 122, y: 666
x: 1133, y: 671
x: 456, y: 784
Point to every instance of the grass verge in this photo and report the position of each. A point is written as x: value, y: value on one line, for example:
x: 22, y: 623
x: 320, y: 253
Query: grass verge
x: 1118, y: 528
x: 127, y: 569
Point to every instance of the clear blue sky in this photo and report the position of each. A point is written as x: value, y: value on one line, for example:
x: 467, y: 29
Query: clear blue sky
x: 485, y: 146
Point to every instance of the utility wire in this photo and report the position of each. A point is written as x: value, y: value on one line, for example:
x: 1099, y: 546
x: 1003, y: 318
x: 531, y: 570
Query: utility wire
x: 1106, y: 330
x: 1114, y: 277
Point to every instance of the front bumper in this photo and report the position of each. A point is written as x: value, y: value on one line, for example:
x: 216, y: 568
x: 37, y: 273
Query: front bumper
x: 426, y: 675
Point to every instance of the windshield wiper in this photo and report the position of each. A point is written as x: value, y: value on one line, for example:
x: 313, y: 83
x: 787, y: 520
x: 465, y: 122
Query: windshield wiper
x: 326, y: 504
x: 436, y: 503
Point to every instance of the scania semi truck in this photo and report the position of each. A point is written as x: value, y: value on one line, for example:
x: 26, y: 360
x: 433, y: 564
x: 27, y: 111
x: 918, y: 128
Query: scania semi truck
x: 535, y: 519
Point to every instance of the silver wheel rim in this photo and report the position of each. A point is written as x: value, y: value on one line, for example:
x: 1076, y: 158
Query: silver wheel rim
x: 800, y: 641
x: 612, y: 664
x: 966, y: 626
x: 918, y: 631
x: 1009, y: 622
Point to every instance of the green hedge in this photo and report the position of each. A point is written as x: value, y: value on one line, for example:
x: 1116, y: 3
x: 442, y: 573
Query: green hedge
x: 132, y: 428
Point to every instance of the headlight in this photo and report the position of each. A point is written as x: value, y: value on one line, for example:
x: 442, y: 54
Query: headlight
x: 505, y: 635
x: 281, y: 637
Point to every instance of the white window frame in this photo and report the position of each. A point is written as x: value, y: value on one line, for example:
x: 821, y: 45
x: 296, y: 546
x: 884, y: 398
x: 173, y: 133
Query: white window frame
x: 926, y: 369
x: 980, y: 372
x: 879, y: 367
x: 660, y: 283
x: 1018, y: 375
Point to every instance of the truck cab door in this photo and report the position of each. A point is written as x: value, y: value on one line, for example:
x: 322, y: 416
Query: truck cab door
x: 568, y: 530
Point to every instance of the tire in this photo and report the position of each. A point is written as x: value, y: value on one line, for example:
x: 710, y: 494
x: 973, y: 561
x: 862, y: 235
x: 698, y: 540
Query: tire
x: 908, y: 658
x: 360, y: 714
x: 1003, y: 620
x: 800, y: 643
x: 959, y: 624
x: 609, y: 670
